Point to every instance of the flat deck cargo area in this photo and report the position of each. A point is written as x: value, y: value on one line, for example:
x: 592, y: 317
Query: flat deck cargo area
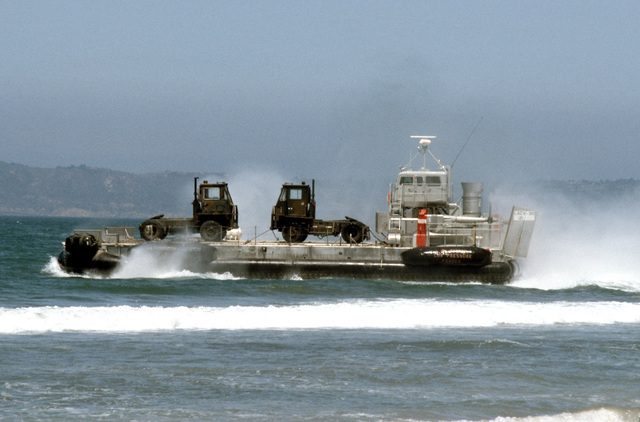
x: 264, y: 259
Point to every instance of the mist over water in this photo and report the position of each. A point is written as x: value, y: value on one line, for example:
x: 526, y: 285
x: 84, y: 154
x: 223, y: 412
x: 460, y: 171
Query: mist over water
x: 256, y: 191
x: 579, y: 242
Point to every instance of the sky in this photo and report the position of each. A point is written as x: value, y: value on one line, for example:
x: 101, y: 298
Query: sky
x: 330, y: 90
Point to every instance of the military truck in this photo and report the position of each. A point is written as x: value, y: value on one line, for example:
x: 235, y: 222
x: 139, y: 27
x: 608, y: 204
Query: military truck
x: 214, y: 214
x: 294, y: 215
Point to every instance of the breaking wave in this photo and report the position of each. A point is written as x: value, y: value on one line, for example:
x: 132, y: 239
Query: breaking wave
x: 603, y: 414
x: 353, y: 314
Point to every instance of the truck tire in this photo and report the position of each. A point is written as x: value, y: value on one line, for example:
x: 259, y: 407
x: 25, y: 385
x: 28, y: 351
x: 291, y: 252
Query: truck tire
x: 212, y: 231
x: 153, y: 229
x: 353, y: 233
x: 294, y: 234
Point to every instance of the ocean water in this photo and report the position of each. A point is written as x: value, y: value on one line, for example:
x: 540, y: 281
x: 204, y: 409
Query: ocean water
x: 559, y: 343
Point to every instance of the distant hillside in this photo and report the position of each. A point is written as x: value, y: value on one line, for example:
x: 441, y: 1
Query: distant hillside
x: 591, y: 190
x: 93, y: 192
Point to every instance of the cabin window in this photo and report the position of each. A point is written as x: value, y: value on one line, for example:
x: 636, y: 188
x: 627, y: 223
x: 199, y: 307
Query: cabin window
x: 295, y: 193
x: 410, y: 180
x: 433, y: 180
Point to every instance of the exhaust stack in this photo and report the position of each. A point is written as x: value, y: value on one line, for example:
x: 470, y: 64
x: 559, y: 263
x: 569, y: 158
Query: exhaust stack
x: 472, y: 199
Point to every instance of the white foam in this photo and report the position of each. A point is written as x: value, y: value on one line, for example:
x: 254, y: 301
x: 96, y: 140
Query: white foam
x: 357, y: 314
x: 53, y: 268
x: 590, y: 415
x: 145, y: 263
x: 142, y: 262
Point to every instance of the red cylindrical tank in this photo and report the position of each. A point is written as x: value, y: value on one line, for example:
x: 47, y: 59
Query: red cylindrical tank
x: 421, y: 234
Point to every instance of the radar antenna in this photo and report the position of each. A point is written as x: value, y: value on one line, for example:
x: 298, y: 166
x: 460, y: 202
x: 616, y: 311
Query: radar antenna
x: 423, y: 148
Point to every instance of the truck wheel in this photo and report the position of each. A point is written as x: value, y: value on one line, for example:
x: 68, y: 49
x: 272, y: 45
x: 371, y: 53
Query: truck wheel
x: 294, y: 234
x: 212, y: 231
x: 353, y: 233
x: 153, y: 229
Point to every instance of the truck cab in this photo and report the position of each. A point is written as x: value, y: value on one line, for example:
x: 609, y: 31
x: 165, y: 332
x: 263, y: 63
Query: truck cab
x: 295, y: 201
x: 213, y: 199
x: 294, y: 215
x: 214, y: 212
x: 294, y: 211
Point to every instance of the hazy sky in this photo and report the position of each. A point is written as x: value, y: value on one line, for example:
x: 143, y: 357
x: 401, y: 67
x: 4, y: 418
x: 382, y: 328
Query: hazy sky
x: 323, y: 89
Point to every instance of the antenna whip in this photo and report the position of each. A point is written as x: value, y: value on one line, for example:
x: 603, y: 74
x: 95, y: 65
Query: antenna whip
x: 465, y: 144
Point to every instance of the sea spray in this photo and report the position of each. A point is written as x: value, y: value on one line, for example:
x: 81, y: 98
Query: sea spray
x: 579, y: 243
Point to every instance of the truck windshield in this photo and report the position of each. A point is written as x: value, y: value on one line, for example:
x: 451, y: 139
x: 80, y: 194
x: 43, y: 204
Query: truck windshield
x: 213, y: 193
